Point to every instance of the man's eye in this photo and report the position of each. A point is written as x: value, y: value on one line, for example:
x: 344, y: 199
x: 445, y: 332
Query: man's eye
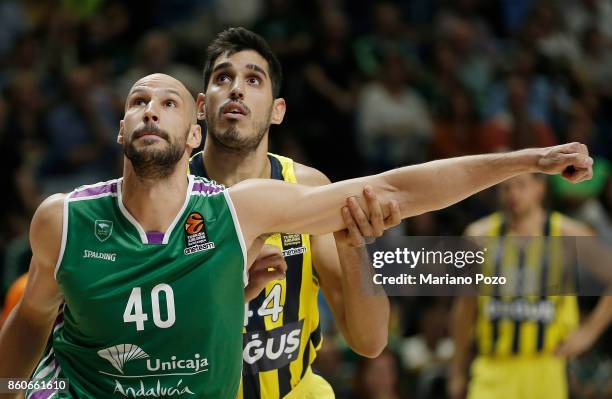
x: 223, y: 78
x: 138, y: 102
x: 253, y: 81
x: 170, y: 103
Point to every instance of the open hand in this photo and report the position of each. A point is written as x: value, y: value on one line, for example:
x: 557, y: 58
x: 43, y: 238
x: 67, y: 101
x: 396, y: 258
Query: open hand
x: 270, y: 265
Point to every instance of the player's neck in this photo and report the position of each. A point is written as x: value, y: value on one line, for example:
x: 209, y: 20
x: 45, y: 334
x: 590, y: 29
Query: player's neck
x: 229, y: 168
x: 154, y: 203
x: 529, y: 223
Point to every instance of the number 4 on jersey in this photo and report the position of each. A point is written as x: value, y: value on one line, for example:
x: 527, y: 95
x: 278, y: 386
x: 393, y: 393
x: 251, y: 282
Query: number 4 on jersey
x: 133, y: 309
x: 271, y: 306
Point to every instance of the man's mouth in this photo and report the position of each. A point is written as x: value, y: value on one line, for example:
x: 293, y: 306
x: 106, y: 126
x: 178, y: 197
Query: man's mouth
x: 234, y: 108
x: 150, y: 133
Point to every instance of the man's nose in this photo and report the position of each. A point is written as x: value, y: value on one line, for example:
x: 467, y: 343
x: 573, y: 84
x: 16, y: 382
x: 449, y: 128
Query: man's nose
x: 237, y: 89
x: 151, y: 112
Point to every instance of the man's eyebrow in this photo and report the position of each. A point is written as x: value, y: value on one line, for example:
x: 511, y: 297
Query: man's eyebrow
x: 228, y: 64
x: 171, y: 91
x: 257, y: 68
x: 222, y: 65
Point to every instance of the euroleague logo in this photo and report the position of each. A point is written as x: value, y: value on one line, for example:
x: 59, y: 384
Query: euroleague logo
x: 196, y: 237
x: 195, y: 223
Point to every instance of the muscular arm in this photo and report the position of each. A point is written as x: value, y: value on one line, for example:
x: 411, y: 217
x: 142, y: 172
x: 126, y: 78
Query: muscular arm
x: 464, y: 313
x: 463, y: 320
x: 267, y: 206
x: 596, y: 323
x: 362, y: 319
x: 24, y: 335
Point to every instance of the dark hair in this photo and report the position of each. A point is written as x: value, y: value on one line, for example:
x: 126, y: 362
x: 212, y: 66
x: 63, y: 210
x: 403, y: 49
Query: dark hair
x: 234, y: 40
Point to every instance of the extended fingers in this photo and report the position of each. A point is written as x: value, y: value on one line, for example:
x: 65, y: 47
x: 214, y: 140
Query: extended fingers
x: 359, y: 217
x: 377, y: 221
x: 354, y: 235
x: 394, y: 217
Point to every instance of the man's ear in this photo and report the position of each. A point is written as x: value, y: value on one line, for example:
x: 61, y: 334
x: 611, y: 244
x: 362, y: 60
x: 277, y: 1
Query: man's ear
x: 201, y: 107
x: 120, y: 135
x: 278, y: 111
x: 195, y: 136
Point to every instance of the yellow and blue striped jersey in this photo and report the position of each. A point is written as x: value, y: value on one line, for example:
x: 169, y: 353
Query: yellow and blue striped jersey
x: 524, y: 318
x: 281, y: 331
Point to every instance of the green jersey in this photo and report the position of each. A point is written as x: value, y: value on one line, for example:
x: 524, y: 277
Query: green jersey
x: 148, y: 314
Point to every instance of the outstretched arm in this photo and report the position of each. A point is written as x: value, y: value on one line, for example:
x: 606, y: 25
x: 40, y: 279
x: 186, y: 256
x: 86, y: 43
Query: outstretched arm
x: 24, y: 335
x: 268, y: 206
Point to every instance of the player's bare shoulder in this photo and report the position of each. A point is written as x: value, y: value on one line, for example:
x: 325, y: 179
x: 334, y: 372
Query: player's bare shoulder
x: 309, y: 176
x: 479, y: 228
x: 46, y: 227
x: 575, y: 228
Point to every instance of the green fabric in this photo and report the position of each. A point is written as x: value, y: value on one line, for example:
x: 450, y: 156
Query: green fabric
x: 188, y: 294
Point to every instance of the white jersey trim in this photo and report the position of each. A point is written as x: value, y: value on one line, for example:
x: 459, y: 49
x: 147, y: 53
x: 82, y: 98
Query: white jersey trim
x: 232, y: 209
x: 134, y: 222
x: 179, y: 215
x: 128, y: 216
x: 60, y: 257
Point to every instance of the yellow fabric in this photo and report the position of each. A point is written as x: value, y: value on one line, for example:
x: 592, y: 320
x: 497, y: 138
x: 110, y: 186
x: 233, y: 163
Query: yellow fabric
x: 269, y: 381
x: 537, y: 377
x: 312, y: 386
x: 524, y: 331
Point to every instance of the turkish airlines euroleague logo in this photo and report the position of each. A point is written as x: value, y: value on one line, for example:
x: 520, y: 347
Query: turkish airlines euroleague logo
x: 195, y: 223
x: 196, y: 237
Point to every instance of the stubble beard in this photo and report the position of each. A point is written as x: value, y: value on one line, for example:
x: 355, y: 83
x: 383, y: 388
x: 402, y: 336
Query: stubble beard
x: 230, y: 140
x: 151, y: 163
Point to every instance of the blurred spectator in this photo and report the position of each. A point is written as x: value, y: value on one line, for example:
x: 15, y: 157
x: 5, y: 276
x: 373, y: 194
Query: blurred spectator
x: 580, y: 200
x: 332, y: 90
x: 595, y: 66
x: 13, y: 23
x: 390, y: 34
x: 427, y: 354
x: 456, y: 128
x: 238, y: 12
x: 21, y: 147
x: 332, y: 364
x: 13, y: 297
x: 591, y: 377
x: 581, y: 15
x: 394, y: 123
x: 287, y: 30
x: 78, y: 136
x: 515, y: 128
x: 431, y: 347
x: 543, y: 98
x: 378, y: 378
x: 156, y: 55
x: 475, y: 54
x: 551, y: 38
x: 287, y: 26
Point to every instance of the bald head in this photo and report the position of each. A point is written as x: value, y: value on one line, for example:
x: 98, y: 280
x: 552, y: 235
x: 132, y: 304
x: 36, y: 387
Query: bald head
x: 159, y: 129
x: 165, y: 84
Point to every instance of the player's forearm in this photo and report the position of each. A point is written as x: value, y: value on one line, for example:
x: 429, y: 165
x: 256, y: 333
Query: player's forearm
x: 600, y: 317
x: 21, y: 344
x: 463, y: 318
x: 438, y: 184
x: 418, y: 188
x: 366, y: 312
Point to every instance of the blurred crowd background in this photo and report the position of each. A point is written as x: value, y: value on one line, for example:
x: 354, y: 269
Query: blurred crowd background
x: 370, y: 85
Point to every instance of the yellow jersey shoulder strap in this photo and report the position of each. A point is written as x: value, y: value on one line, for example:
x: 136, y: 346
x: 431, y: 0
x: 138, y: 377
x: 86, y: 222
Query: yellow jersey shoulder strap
x: 284, y: 166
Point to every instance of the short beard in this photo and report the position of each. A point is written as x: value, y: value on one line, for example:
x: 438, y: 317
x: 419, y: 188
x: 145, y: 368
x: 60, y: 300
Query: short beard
x: 230, y: 140
x: 155, y: 164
